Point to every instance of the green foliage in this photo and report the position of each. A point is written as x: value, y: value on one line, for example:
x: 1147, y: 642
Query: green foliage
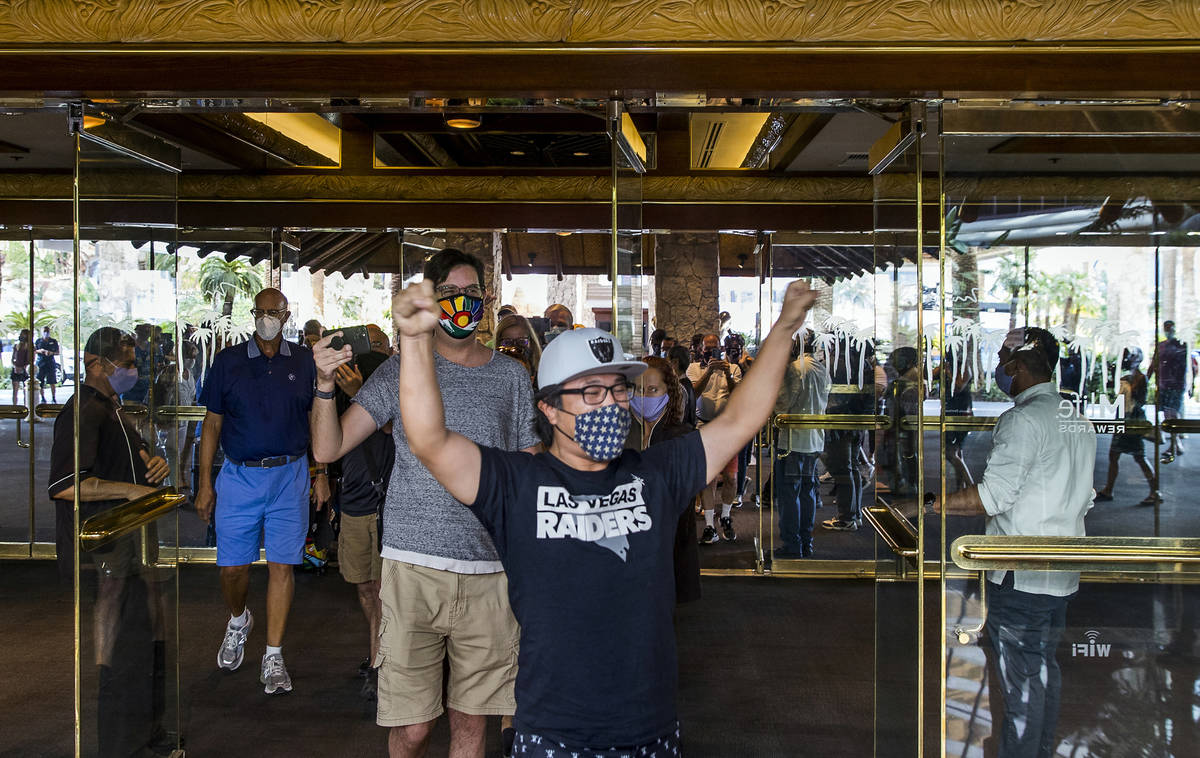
x: 221, y: 281
x: 17, y: 320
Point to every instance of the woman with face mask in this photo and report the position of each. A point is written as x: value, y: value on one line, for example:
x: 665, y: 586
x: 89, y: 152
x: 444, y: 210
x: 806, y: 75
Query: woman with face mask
x: 515, y: 337
x: 657, y: 410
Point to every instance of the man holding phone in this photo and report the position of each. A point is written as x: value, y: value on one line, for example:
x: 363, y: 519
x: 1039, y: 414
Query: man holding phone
x: 443, y: 589
x: 714, y: 379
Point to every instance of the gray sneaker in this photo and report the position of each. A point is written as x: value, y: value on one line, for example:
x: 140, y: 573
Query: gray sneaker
x: 274, y: 675
x: 233, y: 647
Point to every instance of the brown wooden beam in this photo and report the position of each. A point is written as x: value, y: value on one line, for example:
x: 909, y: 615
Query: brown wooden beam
x: 848, y: 71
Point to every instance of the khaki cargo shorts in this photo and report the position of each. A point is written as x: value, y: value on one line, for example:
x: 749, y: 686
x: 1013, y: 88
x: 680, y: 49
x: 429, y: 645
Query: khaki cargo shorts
x: 430, y: 615
x: 358, y: 549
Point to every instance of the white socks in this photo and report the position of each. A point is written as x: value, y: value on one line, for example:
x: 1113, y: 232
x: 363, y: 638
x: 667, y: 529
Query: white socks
x: 726, y: 509
x: 241, y: 620
x: 272, y: 650
x: 708, y: 517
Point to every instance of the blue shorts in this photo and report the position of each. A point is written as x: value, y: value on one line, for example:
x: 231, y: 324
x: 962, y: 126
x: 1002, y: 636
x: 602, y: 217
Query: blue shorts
x: 261, y: 506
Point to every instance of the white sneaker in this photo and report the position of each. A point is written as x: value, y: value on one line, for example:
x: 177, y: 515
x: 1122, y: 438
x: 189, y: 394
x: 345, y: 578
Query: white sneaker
x: 233, y: 647
x: 274, y: 675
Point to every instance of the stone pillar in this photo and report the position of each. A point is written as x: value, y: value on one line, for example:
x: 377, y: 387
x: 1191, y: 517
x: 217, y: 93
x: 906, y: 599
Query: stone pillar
x: 486, y: 246
x: 686, y: 271
x: 565, y: 293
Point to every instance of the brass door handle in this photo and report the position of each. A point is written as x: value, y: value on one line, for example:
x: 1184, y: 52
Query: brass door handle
x: 979, y: 552
x: 180, y: 413
x: 953, y: 423
x: 835, y: 421
x: 1178, y: 425
x: 48, y: 410
x: 20, y: 413
x: 106, y: 526
x: 967, y: 634
x: 893, y: 528
x: 14, y: 411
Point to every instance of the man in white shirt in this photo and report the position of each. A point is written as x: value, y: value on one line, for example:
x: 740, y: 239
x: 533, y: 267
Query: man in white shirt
x: 805, y: 390
x: 1038, y: 482
x: 714, y: 380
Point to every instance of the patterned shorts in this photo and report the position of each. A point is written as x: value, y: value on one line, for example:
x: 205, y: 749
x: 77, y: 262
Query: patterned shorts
x: 532, y: 745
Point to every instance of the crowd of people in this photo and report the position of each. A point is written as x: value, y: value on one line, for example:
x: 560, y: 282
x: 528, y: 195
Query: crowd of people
x: 508, y: 511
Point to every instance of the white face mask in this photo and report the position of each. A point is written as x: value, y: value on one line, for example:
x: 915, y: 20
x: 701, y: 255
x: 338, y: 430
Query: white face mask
x: 267, y: 327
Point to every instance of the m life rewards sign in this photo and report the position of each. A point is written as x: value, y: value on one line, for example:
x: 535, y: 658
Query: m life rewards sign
x: 1106, y: 416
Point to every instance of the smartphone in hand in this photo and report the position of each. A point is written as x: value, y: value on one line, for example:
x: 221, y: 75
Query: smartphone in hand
x: 354, y: 336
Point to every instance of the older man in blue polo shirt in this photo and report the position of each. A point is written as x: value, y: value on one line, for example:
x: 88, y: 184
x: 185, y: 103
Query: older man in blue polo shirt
x: 258, y: 396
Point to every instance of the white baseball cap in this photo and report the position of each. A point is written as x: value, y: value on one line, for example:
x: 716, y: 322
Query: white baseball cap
x: 583, y: 352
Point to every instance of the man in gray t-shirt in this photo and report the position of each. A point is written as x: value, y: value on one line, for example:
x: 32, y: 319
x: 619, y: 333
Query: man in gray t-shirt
x: 443, y: 590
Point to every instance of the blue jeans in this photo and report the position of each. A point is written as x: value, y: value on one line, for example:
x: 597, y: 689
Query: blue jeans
x: 841, y: 448
x: 796, y: 498
x: 1023, y: 632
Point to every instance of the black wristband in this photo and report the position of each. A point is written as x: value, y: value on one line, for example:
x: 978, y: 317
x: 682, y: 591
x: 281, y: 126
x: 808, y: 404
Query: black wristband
x: 323, y: 394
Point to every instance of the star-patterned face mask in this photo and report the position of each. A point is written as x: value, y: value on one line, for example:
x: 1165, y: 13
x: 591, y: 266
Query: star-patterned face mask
x: 601, y: 432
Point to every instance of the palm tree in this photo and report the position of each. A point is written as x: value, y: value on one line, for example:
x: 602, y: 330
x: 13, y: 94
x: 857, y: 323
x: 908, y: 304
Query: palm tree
x: 1010, y: 277
x: 223, y: 280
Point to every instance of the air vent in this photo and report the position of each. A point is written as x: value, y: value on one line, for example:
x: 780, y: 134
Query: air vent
x: 852, y: 158
x: 711, y: 138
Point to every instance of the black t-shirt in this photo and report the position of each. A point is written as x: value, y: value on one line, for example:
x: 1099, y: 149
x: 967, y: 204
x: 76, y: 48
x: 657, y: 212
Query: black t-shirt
x: 365, y: 473
x: 597, y: 666
x: 365, y: 470
x: 46, y: 343
x: 108, y: 447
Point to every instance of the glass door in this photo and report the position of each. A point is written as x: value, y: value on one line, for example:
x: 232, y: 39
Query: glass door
x: 899, y: 365
x: 121, y: 359
x: 1069, y: 241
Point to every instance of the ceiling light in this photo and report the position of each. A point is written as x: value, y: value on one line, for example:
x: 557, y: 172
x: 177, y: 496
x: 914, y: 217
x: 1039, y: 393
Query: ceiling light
x: 564, y: 234
x: 463, y: 122
x: 580, y: 153
x: 516, y: 152
x: 90, y: 121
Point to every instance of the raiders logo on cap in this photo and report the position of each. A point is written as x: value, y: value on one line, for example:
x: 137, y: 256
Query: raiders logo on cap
x: 602, y: 348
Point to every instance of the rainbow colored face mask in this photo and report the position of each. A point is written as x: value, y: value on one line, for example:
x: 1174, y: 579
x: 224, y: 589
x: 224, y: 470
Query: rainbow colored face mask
x: 460, y: 315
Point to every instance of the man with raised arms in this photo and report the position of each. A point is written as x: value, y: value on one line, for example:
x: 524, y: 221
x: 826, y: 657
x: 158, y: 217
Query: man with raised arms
x: 586, y: 530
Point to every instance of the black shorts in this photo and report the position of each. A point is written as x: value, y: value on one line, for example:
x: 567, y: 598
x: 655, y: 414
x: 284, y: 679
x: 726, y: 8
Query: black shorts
x: 46, y: 374
x: 538, y: 746
x: 19, y: 376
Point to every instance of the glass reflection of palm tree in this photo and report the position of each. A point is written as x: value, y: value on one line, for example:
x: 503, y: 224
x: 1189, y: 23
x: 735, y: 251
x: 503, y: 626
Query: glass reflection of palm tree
x: 222, y: 280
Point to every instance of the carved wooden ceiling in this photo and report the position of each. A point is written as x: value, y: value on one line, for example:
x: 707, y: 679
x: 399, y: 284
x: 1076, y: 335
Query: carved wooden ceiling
x: 825, y: 79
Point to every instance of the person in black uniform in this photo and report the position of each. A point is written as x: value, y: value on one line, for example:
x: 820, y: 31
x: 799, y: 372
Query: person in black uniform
x: 115, y: 466
x: 47, y: 351
x: 362, y: 484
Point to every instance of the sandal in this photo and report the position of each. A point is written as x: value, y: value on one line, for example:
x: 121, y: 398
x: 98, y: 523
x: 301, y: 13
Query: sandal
x: 1152, y: 499
x: 1103, y: 497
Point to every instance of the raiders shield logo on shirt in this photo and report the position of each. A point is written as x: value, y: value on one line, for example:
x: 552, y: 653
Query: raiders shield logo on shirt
x: 601, y: 348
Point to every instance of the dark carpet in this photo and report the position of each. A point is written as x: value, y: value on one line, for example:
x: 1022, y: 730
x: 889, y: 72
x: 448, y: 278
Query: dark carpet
x: 765, y: 670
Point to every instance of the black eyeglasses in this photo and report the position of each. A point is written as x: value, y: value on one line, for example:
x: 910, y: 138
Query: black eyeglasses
x: 514, y: 342
x: 275, y: 312
x: 594, y: 394
x: 449, y: 290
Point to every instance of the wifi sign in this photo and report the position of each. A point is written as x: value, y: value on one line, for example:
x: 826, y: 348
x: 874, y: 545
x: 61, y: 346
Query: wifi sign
x: 1092, y: 648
